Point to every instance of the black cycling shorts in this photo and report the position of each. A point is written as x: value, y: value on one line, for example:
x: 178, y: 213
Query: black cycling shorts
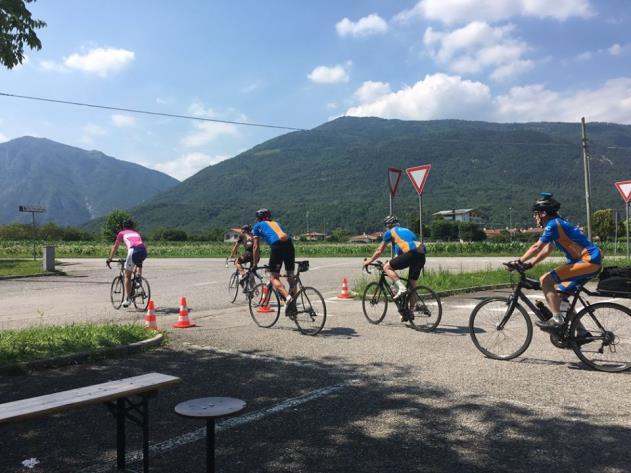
x: 139, y: 255
x: 246, y: 257
x: 413, y: 260
x: 282, y: 252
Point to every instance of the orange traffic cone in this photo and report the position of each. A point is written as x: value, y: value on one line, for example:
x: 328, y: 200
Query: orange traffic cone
x: 345, y: 294
x: 182, y: 320
x: 264, y: 308
x: 151, y: 321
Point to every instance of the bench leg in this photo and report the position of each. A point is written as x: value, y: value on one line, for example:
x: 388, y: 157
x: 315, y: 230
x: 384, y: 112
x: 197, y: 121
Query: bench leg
x: 210, y: 445
x: 145, y: 434
x: 120, y: 434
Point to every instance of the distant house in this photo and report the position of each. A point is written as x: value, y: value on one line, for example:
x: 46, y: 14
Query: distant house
x: 461, y: 215
x: 232, y: 235
x: 311, y: 236
x: 366, y: 238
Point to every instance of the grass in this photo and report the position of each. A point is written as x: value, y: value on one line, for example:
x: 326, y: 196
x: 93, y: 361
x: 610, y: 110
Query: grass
x: 48, y: 341
x: 21, y: 267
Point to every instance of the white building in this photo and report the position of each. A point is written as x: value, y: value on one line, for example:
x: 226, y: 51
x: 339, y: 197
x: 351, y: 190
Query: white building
x: 232, y: 235
x: 461, y: 215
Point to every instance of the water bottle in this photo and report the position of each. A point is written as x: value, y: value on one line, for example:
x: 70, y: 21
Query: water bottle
x: 544, y: 310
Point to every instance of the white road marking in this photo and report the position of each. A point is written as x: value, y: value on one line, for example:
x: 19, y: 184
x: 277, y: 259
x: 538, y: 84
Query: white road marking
x: 461, y: 306
x: 206, y: 283
x: 227, y: 424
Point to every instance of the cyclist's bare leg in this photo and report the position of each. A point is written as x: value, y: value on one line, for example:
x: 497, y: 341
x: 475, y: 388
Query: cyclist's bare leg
x: 278, y: 285
x: 239, y: 267
x: 391, y: 273
x: 291, y: 279
x: 128, y: 283
x: 549, y: 291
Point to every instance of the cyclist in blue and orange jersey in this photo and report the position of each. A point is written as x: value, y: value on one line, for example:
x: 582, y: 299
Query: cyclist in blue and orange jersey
x: 409, y: 252
x: 584, y: 258
x: 282, y: 252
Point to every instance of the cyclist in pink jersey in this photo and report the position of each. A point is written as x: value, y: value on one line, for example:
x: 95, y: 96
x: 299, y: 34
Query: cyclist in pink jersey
x: 136, y: 254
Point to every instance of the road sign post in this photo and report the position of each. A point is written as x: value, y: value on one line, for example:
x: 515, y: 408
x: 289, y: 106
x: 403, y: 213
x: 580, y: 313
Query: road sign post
x: 418, y: 176
x: 624, y: 188
x: 33, y: 210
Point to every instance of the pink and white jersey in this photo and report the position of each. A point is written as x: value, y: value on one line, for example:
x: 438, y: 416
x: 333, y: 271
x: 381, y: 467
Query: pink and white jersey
x: 131, y: 238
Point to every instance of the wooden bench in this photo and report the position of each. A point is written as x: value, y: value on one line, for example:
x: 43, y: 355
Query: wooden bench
x: 126, y: 399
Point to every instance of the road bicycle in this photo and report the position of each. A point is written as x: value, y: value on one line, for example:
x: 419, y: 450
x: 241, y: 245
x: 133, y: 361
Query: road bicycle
x: 420, y: 306
x: 599, y: 333
x: 140, y: 290
x: 245, y: 284
x: 309, y: 308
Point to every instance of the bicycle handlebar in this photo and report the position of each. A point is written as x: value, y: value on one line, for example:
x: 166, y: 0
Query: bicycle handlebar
x: 377, y: 264
x: 108, y: 261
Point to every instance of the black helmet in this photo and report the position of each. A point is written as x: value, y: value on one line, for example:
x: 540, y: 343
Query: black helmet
x: 546, y: 204
x: 246, y: 228
x: 390, y: 221
x: 263, y: 213
x: 127, y: 223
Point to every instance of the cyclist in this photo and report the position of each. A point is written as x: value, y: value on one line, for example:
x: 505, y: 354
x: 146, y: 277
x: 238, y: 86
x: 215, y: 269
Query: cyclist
x: 410, y: 253
x: 136, y: 253
x: 282, y: 252
x: 584, y: 258
x: 246, y: 240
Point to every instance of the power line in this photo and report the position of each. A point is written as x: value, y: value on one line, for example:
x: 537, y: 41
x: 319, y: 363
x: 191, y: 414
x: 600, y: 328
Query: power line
x: 145, y: 112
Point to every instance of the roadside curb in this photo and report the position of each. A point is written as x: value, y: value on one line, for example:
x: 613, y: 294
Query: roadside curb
x: 55, y: 273
x: 82, y: 357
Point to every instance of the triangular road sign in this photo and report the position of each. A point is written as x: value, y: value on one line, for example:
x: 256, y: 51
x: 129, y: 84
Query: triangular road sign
x: 418, y: 176
x: 394, y: 175
x: 624, y: 187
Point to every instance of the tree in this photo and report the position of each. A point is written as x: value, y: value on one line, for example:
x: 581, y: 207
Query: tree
x: 114, y: 222
x: 469, y: 231
x: 17, y: 27
x: 603, y: 224
x: 340, y: 235
x: 444, y: 230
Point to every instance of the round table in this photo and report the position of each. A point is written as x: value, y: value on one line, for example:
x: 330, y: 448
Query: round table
x: 210, y: 408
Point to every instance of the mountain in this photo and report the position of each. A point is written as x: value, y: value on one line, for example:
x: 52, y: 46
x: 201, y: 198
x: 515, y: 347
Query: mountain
x: 74, y: 185
x: 335, y: 175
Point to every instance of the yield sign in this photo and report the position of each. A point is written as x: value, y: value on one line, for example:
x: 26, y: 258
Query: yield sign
x: 624, y: 187
x: 418, y: 176
x: 394, y: 175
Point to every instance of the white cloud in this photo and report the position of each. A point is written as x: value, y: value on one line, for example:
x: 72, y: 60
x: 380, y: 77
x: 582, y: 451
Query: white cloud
x: 371, y: 91
x: 584, y: 56
x: 330, y: 75
x: 442, y: 96
x: 91, y: 131
x: 121, y: 120
x: 463, y: 11
x: 206, y: 132
x: 331, y: 105
x: 436, y: 96
x: 366, y: 26
x: 248, y: 89
x: 615, y: 49
x: 187, y: 165
x: 3, y: 138
x: 162, y: 101
x: 479, y: 46
x: 99, y: 61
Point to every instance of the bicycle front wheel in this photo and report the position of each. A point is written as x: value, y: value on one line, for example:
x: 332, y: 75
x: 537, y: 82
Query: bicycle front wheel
x: 374, y: 303
x: 142, y: 294
x: 601, y: 336
x: 310, y: 313
x: 498, y: 333
x: 117, y: 292
x: 426, y: 309
x: 264, y: 305
x: 233, y: 286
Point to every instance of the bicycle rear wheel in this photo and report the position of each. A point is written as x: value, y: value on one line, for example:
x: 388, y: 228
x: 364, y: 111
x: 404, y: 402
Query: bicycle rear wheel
x: 117, y: 292
x: 264, y: 305
x: 142, y: 293
x: 233, y: 286
x: 310, y: 315
x: 426, y: 308
x: 601, y: 336
x: 498, y: 334
x: 374, y: 303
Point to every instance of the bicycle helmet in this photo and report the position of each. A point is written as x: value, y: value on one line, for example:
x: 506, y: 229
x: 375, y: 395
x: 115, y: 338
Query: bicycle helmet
x: 127, y: 223
x: 263, y: 213
x: 390, y: 221
x: 246, y: 228
x: 547, y: 204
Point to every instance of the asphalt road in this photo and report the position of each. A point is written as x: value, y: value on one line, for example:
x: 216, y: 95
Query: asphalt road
x: 358, y: 397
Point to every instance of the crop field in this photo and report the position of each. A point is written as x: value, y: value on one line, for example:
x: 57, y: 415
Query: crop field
x: 92, y: 249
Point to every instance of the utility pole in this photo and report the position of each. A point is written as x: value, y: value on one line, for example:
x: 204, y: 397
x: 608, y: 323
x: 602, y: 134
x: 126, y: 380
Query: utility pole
x: 588, y: 186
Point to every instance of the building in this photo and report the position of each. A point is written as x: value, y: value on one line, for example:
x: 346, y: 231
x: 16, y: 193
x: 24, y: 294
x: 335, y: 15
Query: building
x: 312, y: 236
x: 461, y: 215
x: 367, y: 238
x: 232, y: 235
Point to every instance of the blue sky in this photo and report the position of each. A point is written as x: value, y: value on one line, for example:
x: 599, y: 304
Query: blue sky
x: 301, y: 64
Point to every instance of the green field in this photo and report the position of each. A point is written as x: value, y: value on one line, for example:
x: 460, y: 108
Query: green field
x: 20, y: 267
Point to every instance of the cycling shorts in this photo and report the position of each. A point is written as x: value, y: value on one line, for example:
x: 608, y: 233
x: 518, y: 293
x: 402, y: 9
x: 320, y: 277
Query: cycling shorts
x: 412, y: 260
x: 246, y: 257
x: 567, y: 276
x: 135, y: 257
x: 282, y: 252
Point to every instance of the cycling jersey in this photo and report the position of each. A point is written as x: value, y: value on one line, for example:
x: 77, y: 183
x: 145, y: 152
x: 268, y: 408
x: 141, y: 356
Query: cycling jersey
x: 571, y: 241
x: 131, y: 238
x: 403, y: 240
x: 271, y: 231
